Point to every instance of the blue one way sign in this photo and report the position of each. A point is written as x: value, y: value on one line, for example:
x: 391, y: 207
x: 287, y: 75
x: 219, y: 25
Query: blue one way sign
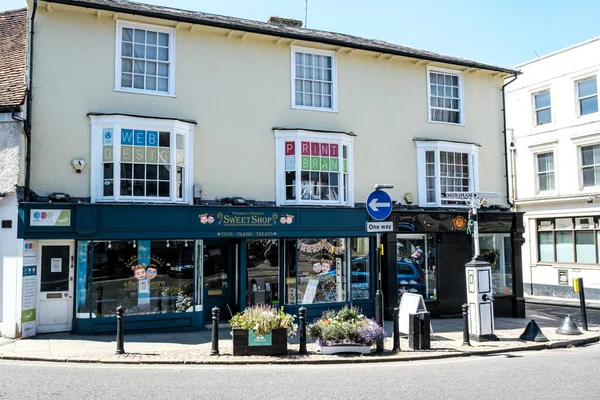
x: 379, y: 204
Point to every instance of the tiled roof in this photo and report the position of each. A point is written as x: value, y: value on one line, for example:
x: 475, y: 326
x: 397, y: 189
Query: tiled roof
x: 13, y: 57
x: 311, y: 35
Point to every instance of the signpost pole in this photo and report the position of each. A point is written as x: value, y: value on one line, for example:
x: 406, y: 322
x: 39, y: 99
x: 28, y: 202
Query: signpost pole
x: 379, y: 206
x: 379, y: 295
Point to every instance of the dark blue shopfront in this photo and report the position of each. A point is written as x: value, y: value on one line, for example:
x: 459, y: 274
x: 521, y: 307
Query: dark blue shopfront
x: 169, y: 265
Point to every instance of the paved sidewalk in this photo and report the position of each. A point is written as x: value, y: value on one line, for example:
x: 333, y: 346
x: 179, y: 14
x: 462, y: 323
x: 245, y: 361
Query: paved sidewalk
x: 194, y: 347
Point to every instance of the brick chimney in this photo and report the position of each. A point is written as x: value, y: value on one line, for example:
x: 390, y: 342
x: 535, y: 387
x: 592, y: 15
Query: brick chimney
x: 285, y: 21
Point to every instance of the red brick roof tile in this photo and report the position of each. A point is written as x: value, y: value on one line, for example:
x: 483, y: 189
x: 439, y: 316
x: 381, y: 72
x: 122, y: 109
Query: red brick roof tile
x: 13, y: 57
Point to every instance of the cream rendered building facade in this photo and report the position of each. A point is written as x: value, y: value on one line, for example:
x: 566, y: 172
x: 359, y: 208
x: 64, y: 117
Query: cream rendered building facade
x: 554, y: 126
x: 173, y: 130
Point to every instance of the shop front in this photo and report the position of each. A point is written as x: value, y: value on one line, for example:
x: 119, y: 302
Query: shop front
x: 168, y: 266
x: 428, y: 252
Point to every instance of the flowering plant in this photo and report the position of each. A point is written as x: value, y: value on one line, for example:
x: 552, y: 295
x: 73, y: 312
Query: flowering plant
x: 262, y: 319
x: 348, y: 325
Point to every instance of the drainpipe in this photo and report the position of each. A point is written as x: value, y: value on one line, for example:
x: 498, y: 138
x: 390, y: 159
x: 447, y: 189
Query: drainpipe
x: 508, y: 200
x: 27, y: 121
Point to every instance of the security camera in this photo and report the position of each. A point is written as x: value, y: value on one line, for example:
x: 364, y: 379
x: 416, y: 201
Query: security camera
x: 590, y: 200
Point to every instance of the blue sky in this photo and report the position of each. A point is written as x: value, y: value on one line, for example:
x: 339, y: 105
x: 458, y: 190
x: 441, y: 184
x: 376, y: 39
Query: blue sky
x: 504, y: 33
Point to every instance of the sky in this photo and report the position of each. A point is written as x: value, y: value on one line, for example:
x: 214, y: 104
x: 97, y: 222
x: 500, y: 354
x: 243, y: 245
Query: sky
x: 503, y: 33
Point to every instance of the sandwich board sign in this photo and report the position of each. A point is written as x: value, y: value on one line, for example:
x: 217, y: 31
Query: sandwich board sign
x: 410, y: 303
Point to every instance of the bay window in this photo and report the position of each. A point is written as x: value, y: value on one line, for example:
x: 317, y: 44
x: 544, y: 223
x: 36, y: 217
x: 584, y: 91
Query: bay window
x: 444, y: 167
x: 141, y: 159
x: 314, y: 168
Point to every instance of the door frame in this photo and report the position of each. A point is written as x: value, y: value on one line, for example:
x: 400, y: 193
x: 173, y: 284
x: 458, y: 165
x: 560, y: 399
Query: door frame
x: 71, y: 290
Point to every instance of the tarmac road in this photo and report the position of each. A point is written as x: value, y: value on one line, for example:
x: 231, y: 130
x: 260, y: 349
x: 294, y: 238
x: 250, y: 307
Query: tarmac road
x: 550, y: 374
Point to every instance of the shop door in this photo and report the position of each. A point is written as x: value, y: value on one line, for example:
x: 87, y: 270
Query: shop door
x: 453, y: 252
x: 55, y: 288
x: 218, y: 281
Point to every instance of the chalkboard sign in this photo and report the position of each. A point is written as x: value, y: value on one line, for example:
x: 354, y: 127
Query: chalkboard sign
x: 410, y: 303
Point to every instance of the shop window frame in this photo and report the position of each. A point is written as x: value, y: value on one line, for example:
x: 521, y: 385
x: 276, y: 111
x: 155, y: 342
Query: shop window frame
x: 424, y: 146
x: 345, y: 187
x: 593, y: 226
x: 102, y: 124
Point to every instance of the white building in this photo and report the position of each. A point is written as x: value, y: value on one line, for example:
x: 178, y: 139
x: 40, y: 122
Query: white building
x: 553, y: 132
x: 13, y: 47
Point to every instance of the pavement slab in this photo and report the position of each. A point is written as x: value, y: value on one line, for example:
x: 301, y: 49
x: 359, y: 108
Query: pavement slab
x: 195, y: 347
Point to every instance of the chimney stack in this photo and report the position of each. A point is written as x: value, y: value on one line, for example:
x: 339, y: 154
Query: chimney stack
x: 285, y: 21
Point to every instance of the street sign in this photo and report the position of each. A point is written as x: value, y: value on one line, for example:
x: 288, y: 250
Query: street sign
x: 378, y: 226
x: 379, y: 204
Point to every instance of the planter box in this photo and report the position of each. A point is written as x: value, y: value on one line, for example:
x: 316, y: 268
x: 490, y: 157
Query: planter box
x: 247, y: 344
x: 336, y: 348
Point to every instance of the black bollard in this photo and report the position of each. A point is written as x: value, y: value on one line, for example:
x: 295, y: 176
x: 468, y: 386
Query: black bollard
x: 120, y: 330
x: 414, y: 332
x: 465, y: 315
x: 379, y: 317
x: 396, y: 329
x: 582, y: 302
x: 425, y: 330
x: 215, y: 332
x: 302, y: 312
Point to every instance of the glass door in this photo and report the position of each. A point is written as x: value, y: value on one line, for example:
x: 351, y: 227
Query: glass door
x: 55, y: 290
x: 262, y: 263
x: 218, y: 278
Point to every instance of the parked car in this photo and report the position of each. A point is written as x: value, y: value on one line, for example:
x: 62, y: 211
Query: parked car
x: 410, y: 278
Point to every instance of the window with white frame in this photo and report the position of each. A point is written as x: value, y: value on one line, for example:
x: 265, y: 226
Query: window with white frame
x: 313, y: 79
x: 314, y: 168
x: 444, y: 167
x: 445, y: 96
x: 587, y: 96
x: 590, y: 165
x: 145, y: 61
x: 141, y: 159
x: 545, y: 172
x: 542, y: 106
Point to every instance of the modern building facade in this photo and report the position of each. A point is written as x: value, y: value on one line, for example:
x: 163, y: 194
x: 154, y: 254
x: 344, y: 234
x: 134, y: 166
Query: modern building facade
x: 184, y: 160
x: 554, y: 135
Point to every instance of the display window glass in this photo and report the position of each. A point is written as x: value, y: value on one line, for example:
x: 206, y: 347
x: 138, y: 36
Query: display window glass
x: 315, y: 270
x: 143, y: 276
x: 496, y: 249
x: 417, y: 265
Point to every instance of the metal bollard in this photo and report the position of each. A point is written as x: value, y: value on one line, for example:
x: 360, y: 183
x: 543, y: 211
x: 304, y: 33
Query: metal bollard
x: 302, y: 328
x: 414, y: 332
x: 465, y: 315
x: 120, y: 330
x: 215, y: 332
x: 582, y: 303
x: 425, y: 330
x: 379, y: 317
x: 396, y: 329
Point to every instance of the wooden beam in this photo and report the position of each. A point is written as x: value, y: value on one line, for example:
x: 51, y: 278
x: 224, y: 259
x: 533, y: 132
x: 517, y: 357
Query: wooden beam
x: 279, y: 40
x: 49, y: 7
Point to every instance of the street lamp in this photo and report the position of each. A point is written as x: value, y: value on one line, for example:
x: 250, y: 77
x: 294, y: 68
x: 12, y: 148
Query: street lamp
x: 379, y: 293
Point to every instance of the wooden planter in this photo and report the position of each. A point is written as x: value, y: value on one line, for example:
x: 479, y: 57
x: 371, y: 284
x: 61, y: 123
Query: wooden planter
x: 248, y: 344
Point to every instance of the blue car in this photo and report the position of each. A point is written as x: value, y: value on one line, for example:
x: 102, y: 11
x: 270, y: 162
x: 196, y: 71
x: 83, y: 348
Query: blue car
x: 410, y: 278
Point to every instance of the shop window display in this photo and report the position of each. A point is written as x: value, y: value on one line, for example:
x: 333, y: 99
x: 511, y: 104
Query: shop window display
x: 262, y: 262
x: 315, y: 270
x: 145, y: 277
x: 496, y: 249
x: 416, y: 263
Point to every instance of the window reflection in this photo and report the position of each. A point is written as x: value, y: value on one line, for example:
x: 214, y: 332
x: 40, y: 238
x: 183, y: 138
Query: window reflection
x: 145, y: 277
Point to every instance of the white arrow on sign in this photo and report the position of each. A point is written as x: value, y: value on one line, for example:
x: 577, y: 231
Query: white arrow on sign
x: 374, y: 205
